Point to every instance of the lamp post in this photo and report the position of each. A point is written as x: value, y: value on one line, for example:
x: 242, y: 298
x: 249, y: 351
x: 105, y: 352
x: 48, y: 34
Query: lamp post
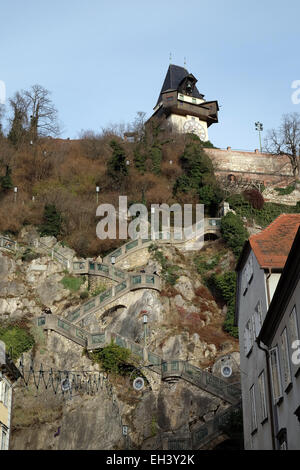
x: 145, y: 320
x: 97, y: 193
x: 259, y: 127
x: 125, y: 434
x: 112, y: 260
x: 15, y: 193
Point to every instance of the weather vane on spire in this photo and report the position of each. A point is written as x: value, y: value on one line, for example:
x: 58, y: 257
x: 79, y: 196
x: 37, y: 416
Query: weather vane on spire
x: 185, y: 62
x: 170, y: 58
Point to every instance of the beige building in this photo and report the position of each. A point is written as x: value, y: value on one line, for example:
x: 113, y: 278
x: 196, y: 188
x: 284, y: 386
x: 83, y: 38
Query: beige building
x: 9, y: 374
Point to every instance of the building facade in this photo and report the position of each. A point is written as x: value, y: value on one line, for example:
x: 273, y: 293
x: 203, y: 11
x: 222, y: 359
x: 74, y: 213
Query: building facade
x: 259, y: 272
x: 9, y: 374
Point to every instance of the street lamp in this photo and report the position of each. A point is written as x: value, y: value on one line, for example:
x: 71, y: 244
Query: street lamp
x: 145, y: 320
x: 112, y: 260
x: 15, y: 193
x: 259, y: 127
x: 97, y: 192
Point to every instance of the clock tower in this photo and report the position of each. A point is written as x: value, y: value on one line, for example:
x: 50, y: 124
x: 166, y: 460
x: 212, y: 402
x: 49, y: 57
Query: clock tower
x: 184, y: 108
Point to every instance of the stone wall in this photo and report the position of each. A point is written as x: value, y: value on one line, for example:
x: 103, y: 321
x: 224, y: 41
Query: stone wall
x: 251, y: 166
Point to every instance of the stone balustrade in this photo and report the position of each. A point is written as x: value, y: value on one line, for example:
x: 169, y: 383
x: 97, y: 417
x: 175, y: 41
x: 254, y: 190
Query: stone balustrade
x: 132, y: 282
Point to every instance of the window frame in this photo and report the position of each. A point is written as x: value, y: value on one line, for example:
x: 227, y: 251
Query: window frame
x: 248, y: 337
x: 276, y: 399
x: 285, y: 355
x: 263, y: 397
x: 253, y: 409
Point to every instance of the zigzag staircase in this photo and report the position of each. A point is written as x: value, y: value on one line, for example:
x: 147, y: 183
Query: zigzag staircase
x: 171, y: 370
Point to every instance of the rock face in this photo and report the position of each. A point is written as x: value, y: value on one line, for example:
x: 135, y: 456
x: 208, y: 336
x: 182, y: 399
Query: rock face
x: 184, y: 322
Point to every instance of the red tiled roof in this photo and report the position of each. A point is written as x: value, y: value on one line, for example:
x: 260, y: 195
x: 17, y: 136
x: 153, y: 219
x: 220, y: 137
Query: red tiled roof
x: 273, y: 244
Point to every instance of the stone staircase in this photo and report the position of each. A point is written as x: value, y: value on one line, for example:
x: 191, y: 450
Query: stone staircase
x: 204, y: 433
x: 171, y: 370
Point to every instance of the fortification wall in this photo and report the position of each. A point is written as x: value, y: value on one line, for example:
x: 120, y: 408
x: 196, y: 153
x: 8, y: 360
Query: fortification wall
x: 251, y: 166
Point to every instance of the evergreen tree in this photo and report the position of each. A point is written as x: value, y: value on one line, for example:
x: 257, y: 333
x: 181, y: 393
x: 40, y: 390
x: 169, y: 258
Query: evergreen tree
x: 156, y: 157
x: 52, y: 221
x: 139, y: 158
x: 17, y: 130
x: 116, y: 167
x: 6, y: 181
x: 198, y: 176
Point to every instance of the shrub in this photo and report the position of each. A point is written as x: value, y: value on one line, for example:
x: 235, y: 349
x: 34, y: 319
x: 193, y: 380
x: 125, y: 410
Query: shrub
x: 29, y: 255
x: 224, y: 286
x: 113, y: 358
x: 169, y: 271
x: 17, y: 339
x: 285, y: 191
x: 264, y: 216
x: 84, y: 294
x: 234, y: 232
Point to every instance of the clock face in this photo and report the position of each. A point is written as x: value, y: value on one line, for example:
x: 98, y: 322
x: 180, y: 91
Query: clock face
x: 195, y: 127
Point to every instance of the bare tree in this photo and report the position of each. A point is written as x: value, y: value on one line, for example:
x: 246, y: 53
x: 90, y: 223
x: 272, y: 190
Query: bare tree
x: 138, y: 124
x: 286, y: 141
x: 2, y: 113
x: 42, y: 112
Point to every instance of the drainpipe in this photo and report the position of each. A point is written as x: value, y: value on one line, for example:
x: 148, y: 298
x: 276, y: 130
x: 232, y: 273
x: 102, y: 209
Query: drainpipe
x: 266, y: 351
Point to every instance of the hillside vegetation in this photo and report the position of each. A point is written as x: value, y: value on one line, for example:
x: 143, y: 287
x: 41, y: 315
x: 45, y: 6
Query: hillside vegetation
x: 57, y: 179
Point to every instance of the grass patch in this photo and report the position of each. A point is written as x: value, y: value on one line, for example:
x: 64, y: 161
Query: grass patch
x: 72, y: 283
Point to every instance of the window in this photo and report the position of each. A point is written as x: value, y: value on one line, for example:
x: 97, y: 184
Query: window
x: 257, y: 319
x: 247, y: 275
x: 275, y: 374
x: 169, y: 98
x: 282, y: 439
x: 253, y: 409
x: 6, y: 393
x: 248, y: 337
x: 262, y: 396
x: 293, y: 326
x: 286, y: 369
x: 3, y: 438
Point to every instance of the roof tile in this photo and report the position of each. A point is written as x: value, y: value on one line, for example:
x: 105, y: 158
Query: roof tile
x: 272, y: 245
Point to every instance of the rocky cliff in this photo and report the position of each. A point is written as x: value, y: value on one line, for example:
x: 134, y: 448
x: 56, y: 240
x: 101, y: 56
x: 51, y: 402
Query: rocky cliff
x: 184, y: 322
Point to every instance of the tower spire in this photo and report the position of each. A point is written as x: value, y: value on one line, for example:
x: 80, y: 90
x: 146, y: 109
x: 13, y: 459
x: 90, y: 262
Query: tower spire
x: 170, y: 58
x: 185, y: 62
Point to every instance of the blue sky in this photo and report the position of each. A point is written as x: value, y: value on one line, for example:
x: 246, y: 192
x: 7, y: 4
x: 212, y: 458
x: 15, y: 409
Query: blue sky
x: 105, y: 60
